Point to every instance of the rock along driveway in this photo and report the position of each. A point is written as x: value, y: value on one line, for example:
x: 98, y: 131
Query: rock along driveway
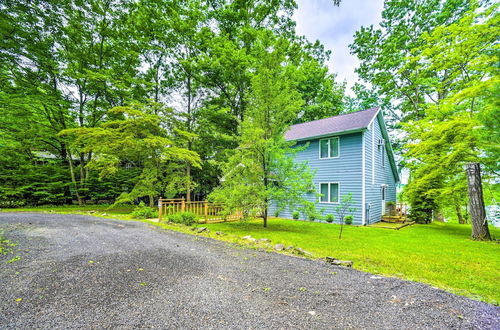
x: 85, y: 272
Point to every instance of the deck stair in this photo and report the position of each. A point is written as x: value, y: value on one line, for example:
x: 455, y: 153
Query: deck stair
x: 394, y: 218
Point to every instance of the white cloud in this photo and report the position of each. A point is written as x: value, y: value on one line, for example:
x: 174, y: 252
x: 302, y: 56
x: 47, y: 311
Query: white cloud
x: 334, y: 27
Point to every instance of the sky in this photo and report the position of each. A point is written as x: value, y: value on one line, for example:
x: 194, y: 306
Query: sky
x: 334, y: 27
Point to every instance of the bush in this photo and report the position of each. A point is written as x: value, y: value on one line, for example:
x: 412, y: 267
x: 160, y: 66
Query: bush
x: 277, y: 213
x: 329, y: 218
x: 312, y: 216
x: 348, y: 219
x: 142, y: 211
x: 295, y: 215
x: 184, y: 218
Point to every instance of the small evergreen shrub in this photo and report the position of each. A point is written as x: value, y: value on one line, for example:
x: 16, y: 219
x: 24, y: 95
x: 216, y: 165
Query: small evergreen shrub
x: 329, y: 218
x: 184, y: 218
x: 295, y: 215
x: 277, y: 213
x: 348, y: 219
x: 142, y: 211
x: 312, y: 216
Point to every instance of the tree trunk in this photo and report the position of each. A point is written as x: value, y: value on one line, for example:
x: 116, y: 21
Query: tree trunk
x: 188, y: 182
x: 73, y: 178
x: 480, y: 230
x: 264, y: 216
x: 458, y: 211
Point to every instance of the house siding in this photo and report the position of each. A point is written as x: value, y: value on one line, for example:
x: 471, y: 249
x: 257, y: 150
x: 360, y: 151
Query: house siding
x: 346, y: 170
x: 377, y: 174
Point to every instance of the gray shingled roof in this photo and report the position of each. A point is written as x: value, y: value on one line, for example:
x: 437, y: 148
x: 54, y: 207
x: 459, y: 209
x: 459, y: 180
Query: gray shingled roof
x: 341, y: 123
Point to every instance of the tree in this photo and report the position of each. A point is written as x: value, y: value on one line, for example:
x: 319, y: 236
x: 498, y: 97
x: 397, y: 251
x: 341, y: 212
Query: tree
x: 453, y: 131
x: 480, y: 230
x: 383, y: 53
x: 262, y: 169
x: 343, y: 209
x: 136, y: 136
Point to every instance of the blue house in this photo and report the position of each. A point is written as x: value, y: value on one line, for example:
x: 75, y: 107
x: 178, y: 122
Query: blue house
x: 350, y: 153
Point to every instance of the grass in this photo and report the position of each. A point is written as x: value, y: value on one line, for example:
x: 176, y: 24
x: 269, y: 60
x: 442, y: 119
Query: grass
x: 438, y: 254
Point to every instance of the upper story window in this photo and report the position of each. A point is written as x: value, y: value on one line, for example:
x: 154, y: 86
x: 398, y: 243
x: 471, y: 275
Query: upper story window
x: 329, y: 148
x: 381, y: 147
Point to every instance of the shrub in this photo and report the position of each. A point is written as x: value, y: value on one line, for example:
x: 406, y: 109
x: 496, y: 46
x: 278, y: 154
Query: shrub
x: 295, y: 215
x: 329, y: 218
x: 142, y: 211
x: 312, y: 216
x: 277, y: 213
x: 348, y: 219
x: 185, y: 218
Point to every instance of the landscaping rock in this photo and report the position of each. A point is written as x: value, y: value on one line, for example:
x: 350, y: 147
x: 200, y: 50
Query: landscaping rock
x: 250, y: 238
x: 337, y: 262
x: 264, y: 240
x: 219, y: 233
x: 202, y: 229
x: 298, y: 251
x: 289, y: 247
x: 279, y: 247
x: 302, y: 252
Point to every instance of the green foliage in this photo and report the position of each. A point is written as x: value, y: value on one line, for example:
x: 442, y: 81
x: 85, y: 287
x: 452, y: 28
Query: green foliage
x: 451, y: 133
x: 295, y: 215
x: 142, y: 211
x: 263, y: 166
x: 184, y: 218
x: 433, y: 67
x: 348, y: 219
x: 329, y: 218
x: 66, y: 74
x: 344, y: 207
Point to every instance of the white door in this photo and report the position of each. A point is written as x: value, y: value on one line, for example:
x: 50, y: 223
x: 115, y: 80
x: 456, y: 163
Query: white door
x: 383, y: 191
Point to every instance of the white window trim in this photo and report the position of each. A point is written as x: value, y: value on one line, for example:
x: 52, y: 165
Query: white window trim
x: 328, y: 139
x: 338, y: 194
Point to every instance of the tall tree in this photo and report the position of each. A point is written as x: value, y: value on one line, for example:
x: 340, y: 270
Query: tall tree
x: 262, y: 168
x: 464, y: 56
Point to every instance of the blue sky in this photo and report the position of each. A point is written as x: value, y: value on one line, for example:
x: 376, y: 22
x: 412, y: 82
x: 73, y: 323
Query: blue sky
x: 335, y: 28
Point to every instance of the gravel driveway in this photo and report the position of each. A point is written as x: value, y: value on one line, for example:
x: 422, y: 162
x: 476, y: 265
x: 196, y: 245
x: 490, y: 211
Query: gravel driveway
x: 85, y: 272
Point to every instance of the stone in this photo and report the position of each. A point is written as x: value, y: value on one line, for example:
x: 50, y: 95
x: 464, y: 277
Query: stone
x: 264, y: 240
x: 219, y: 233
x: 202, y: 229
x: 289, y: 247
x: 247, y: 237
x: 337, y: 262
x: 298, y: 251
x: 279, y: 247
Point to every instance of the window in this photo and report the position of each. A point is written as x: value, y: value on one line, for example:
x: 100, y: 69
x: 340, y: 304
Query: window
x: 329, y: 148
x: 383, y: 155
x: 330, y: 192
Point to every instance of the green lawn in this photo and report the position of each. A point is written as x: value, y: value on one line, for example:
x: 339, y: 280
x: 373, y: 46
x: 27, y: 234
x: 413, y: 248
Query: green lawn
x: 438, y: 254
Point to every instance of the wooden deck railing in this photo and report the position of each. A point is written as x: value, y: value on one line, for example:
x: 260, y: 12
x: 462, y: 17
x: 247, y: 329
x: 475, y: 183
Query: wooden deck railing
x: 206, y: 211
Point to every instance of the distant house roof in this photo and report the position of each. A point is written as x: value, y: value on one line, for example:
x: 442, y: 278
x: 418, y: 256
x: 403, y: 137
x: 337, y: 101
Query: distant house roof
x: 342, y: 123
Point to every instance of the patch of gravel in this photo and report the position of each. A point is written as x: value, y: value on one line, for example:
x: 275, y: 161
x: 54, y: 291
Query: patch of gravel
x: 80, y: 271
